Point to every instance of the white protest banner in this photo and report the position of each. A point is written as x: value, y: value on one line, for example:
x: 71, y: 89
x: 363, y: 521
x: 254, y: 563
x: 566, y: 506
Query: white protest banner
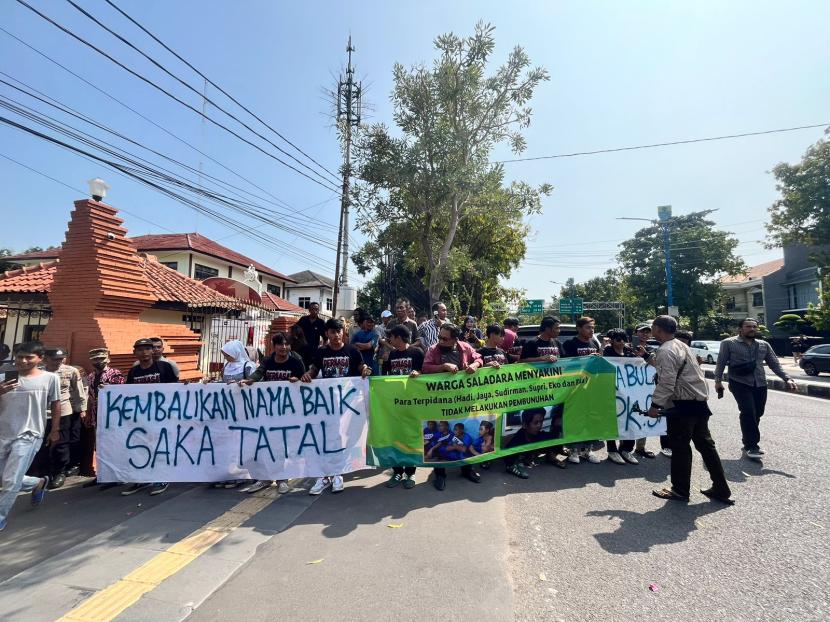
x: 635, y: 386
x: 215, y: 432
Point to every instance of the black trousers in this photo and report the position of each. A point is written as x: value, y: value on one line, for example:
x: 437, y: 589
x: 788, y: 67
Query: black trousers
x: 55, y: 458
x: 751, y: 404
x: 684, y: 429
x: 399, y: 470
x: 611, y: 446
x: 465, y: 469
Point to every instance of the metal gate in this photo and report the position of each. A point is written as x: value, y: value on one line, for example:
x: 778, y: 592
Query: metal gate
x: 23, y: 323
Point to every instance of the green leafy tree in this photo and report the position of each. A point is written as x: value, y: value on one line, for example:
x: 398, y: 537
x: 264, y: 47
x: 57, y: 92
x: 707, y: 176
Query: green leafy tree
x: 6, y: 265
x: 434, y: 175
x: 791, y: 322
x: 700, y: 254
x: 802, y: 216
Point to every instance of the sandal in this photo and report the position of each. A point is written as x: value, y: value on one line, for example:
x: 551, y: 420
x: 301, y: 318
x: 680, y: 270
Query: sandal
x: 559, y: 460
x: 669, y: 494
x: 710, y: 492
x: 647, y: 453
x: 518, y: 470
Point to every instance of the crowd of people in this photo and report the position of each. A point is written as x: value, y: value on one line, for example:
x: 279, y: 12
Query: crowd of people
x: 48, y: 408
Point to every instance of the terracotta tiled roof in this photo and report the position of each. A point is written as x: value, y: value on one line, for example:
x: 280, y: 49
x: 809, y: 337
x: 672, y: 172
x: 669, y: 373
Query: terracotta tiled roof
x: 200, y: 244
x: 167, y: 284
x: 755, y: 272
x: 270, y: 301
x: 175, y: 242
x: 28, y: 280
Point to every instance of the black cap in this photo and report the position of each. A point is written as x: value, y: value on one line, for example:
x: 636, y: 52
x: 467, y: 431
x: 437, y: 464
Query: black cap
x: 55, y: 353
x: 141, y: 343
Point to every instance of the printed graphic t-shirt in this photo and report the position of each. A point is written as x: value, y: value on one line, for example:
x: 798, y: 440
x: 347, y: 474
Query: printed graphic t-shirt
x: 158, y: 372
x: 576, y: 347
x: 292, y: 367
x: 488, y: 355
x: 342, y: 363
x: 539, y: 347
x: 403, y: 362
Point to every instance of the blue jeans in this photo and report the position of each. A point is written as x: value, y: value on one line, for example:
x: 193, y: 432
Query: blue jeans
x: 16, y: 455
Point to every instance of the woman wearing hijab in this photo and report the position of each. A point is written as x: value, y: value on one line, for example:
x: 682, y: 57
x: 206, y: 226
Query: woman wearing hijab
x: 238, y: 366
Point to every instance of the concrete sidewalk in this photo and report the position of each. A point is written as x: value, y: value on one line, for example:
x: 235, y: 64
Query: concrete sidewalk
x: 807, y: 385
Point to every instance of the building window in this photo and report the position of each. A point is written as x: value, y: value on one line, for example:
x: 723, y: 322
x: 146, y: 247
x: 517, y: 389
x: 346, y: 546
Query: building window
x: 761, y: 318
x: 758, y: 299
x: 792, y: 297
x: 201, y: 272
x: 273, y: 289
x: 730, y: 303
x: 173, y: 265
x: 304, y: 301
x: 328, y: 304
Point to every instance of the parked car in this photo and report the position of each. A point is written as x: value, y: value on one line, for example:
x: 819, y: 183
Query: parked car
x: 707, y: 350
x: 816, y: 360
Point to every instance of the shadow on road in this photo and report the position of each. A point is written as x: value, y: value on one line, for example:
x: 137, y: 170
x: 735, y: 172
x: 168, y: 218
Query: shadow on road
x: 640, y: 531
x: 740, y: 470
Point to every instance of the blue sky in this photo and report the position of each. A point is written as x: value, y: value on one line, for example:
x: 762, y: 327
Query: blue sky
x: 622, y: 73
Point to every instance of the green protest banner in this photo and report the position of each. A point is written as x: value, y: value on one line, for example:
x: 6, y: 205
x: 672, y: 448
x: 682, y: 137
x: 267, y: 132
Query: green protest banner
x: 453, y: 419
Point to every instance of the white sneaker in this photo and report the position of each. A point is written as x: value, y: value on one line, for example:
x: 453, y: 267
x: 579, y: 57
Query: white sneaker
x: 666, y: 451
x: 283, y: 488
x: 591, y: 457
x: 752, y: 454
x: 574, y: 457
x: 629, y: 457
x: 320, y: 485
x: 257, y: 486
x: 337, y: 483
x: 615, y: 457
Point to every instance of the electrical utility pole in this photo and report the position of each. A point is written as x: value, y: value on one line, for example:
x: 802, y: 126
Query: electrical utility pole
x: 349, y: 95
x: 664, y: 216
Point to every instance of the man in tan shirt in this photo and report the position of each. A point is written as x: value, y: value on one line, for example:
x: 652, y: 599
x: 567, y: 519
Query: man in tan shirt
x: 681, y: 395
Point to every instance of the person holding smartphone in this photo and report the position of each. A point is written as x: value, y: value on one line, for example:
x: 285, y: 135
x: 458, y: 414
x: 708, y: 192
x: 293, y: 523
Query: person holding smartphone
x: 24, y: 402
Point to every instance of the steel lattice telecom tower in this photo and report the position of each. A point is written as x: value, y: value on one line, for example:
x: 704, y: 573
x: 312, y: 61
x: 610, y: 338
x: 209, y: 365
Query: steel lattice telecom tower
x: 349, y: 94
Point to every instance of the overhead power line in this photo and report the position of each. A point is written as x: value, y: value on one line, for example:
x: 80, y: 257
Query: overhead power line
x: 194, y: 90
x: 217, y: 87
x: 667, y: 144
x: 173, y: 97
x: 157, y: 125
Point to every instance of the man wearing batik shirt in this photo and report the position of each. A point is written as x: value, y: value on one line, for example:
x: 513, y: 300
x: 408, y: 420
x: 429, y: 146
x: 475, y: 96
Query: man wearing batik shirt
x: 428, y: 331
x: 545, y: 348
x: 101, y: 375
x: 492, y: 353
x: 335, y: 360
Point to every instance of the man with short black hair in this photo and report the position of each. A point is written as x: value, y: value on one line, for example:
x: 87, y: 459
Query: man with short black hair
x: 402, y: 319
x: 158, y: 354
x: 452, y: 355
x: 492, y: 353
x: 428, y: 331
x: 149, y: 371
x: 24, y: 401
x: 545, y: 348
x: 583, y: 344
x: 745, y: 355
x: 681, y: 395
x: 55, y: 458
x: 512, y: 344
x: 336, y: 359
x: 314, y: 327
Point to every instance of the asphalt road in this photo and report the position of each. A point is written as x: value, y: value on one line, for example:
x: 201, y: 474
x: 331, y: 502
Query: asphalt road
x: 579, y: 544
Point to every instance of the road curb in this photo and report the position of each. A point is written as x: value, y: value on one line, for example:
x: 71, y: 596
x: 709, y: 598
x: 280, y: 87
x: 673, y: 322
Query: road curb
x: 775, y: 383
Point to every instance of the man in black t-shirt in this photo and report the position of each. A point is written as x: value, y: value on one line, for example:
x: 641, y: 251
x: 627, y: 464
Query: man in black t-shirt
x: 313, y: 326
x: 280, y: 365
x: 584, y: 343
x: 545, y: 348
x: 149, y: 371
x: 335, y: 360
x: 404, y: 359
x: 491, y: 353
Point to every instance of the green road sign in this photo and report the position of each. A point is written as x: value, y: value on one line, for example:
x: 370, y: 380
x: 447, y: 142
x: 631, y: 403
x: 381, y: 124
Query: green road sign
x: 533, y: 307
x: 570, y: 306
